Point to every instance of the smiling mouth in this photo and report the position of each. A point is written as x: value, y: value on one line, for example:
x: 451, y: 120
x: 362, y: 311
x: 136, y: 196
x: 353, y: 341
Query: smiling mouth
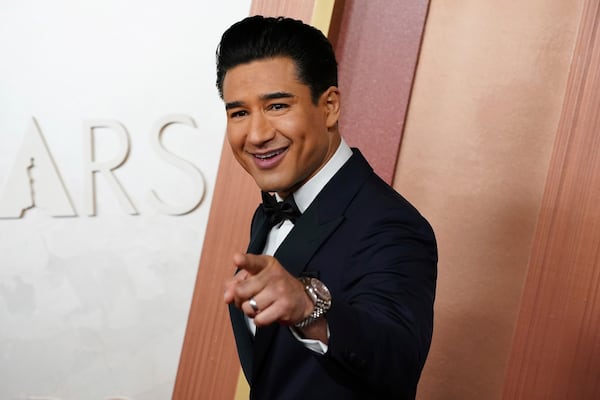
x: 270, y: 155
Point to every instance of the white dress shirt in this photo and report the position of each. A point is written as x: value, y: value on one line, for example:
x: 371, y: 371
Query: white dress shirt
x: 303, y: 197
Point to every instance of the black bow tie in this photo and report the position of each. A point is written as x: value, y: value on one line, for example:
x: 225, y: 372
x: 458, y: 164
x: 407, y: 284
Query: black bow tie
x: 279, y: 211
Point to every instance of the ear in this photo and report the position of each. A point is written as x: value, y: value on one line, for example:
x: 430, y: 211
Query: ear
x: 331, y: 102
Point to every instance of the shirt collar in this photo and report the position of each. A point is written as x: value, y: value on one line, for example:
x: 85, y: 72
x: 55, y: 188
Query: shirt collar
x: 307, y: 192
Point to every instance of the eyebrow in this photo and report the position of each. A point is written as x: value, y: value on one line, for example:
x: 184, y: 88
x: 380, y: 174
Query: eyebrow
x: 233, y: 104
x: 276, y: 95
x: 267, y: 96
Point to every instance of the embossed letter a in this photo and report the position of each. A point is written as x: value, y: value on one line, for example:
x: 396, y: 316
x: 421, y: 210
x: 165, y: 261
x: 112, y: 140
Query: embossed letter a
x: 35, y: 181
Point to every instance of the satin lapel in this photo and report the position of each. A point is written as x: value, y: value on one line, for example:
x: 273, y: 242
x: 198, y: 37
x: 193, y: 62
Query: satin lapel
x: 260, y: 231
x: 294, y: 253
x: 304, y: 240
x: 243, y: 338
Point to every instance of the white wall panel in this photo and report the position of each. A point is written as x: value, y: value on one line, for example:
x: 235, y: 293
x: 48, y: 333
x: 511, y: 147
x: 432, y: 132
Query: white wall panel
x: 95, y: 306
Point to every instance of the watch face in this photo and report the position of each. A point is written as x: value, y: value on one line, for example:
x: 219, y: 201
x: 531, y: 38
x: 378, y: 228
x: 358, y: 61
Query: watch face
x: 320, y: 289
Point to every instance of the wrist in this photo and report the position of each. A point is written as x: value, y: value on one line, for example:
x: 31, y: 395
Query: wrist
x: 320, y: 297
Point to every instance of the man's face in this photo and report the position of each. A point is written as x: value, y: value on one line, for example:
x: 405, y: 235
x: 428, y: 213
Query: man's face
x: 275, y: 131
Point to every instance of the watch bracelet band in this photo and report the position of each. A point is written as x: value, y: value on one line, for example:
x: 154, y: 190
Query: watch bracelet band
x: 320, y: 308
x: 317, y: 313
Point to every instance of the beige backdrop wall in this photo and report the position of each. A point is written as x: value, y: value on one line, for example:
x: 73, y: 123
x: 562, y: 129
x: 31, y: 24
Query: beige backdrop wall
x: 474, y: 158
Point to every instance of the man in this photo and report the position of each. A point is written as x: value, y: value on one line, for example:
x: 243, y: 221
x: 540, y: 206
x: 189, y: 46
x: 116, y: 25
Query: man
x: 335, y: 301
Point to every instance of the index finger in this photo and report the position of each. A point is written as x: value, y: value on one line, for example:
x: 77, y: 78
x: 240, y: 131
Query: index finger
x: 251, y: 263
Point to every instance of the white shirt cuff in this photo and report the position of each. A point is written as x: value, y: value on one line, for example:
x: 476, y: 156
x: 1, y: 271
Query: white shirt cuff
x: 314, y: 345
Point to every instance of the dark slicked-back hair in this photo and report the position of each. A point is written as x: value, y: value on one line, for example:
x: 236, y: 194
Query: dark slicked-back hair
x: 257, y: 38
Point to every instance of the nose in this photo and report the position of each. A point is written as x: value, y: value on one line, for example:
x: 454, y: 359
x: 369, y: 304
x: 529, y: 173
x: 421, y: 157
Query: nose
x: 260, y: 129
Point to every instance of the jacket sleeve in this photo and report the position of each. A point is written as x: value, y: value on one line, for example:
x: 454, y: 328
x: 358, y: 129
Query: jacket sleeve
x: 381, y: 320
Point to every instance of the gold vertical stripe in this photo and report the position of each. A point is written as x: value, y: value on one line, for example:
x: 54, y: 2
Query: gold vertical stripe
x: 320, y: 19
x: 242, y: 392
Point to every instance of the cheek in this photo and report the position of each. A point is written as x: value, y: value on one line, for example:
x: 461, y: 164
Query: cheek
x: 289, y: 127
x: 235, y: 138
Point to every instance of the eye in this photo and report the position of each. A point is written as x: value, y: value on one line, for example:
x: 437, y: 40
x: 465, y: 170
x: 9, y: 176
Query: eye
x: 238, y: 114
x: 277, y: 106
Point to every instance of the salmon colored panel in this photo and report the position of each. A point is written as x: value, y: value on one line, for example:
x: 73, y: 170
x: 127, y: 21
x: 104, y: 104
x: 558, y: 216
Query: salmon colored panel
x: 556, y: 351
x: 377, y: 48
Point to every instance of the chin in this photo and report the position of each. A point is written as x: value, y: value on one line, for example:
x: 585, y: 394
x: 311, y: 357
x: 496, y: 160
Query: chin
x: 266, y: 187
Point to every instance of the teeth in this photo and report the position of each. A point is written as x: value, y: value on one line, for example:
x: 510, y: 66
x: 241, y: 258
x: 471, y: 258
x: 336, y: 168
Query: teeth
x: 266, y: 156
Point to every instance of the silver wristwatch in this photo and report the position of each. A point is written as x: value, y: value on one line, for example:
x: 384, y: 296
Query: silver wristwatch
x: 320, y: 296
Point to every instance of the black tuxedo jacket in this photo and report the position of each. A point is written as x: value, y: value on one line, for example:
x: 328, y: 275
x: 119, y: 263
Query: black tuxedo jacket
x: 378, y: 256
